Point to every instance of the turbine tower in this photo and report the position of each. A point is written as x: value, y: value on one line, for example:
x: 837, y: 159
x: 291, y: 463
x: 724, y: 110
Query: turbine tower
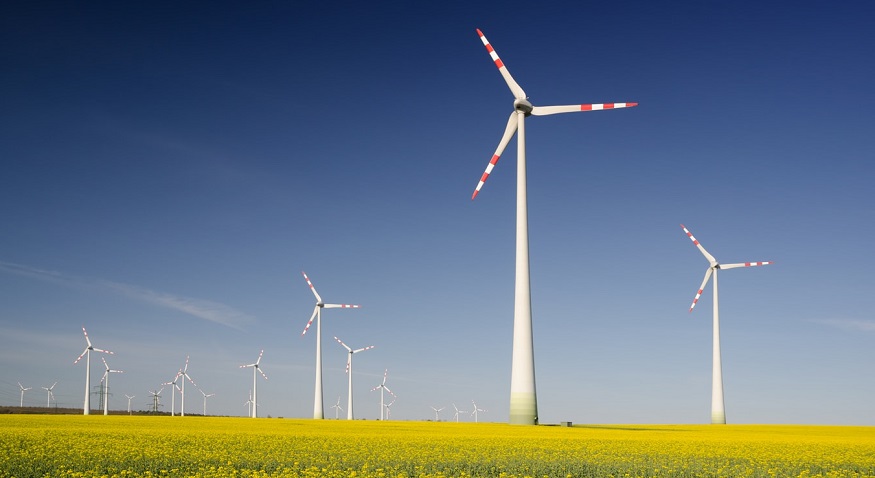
x: 523, y: 399
x: 106, y: 385
x: 349, y: 413
x: 86, y: 409
x: 318, y: 412
x: 23, y: 389
x: 255, y: 368
x: 49, y: 395
x: 718, y: 411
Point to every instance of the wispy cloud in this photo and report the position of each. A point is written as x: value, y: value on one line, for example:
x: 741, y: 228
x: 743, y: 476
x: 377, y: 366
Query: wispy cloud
x: 200, y: 308
x: 848, y: 324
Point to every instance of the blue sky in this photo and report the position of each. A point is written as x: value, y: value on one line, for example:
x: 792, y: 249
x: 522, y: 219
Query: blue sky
x: 169, y: 171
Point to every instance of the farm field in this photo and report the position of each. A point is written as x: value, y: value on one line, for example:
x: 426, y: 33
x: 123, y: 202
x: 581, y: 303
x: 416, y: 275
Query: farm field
x: 95, y: 446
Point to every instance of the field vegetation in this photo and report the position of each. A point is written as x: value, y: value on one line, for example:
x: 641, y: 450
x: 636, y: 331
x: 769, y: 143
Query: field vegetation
x: 123, y: 446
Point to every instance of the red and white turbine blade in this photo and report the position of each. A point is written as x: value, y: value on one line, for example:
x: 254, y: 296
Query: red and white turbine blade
x: 259, y: 357
x: 385, y: 374
x: 745, y: 264
x: 342, y: 306
x: 313, y: 289
x: 185, y: 368
x: 86, y: 337
x: 701, y: 287
x: 552, y: 110
x: 348, y: 361
x: 369, y: 347
x: 80, y: 356
x: 105, y: 364
x: 344, y: 345
x: 509, y: 131
x: 262, y: 373
x: 511, y: 83
x: 309, y: 322
x: 702, y: 249
x: 102, y: 351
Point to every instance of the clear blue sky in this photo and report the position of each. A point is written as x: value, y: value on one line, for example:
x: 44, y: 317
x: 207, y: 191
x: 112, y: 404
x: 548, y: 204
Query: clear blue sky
x: 169, y: 170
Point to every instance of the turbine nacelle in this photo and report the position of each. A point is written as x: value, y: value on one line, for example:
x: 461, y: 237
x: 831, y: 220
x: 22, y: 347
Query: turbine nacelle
x: 523, y: 105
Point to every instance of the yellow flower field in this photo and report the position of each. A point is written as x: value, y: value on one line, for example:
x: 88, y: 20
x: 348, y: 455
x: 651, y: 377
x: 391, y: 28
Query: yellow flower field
x: 121, y: 446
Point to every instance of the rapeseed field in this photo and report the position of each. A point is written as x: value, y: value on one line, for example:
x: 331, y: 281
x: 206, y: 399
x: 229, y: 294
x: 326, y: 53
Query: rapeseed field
x: 143, y: 446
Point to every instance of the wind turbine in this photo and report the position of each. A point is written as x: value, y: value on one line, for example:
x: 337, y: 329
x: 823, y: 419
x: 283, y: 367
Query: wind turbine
x: 255, y: 368
x: 184, y: 373
x: 86, y: 409
x: 474, y: 413
x: 523, y: 399
x: 173, y: 386
x: 337, y: 408
x: 106, y: 385
x: 248, y: 404
x: 718, y: 412
x: 206, y: 395
x: 49, y: 395
x: 456, y: 415
x: 349, y: 414
x: 382, y: 387
x: 317, y: 314
x: 389, y: 405
x: 156, y: 398
x: 23, y: 389
x: 437, y: 412
x: 129, y: 397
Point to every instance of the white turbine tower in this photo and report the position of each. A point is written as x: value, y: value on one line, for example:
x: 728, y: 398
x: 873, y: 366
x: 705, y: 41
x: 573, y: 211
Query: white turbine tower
x: 474, y: 413
x: 206, y: 395
x: 255, y: 368
x: 173, y: 388
x: 129, y: 397
x: 183, y: 373
x: 86, y: 409
x: 437, y: 411
x: 105, y: 378
x: 337, y: 408
x: 718, y: 412
x: 318, y: 412
x: 23, y: 389
x: 49, y: 395
x: 382, y: 387
x: 456, y: 415
x: 349, y: 413
x: 523, y: 399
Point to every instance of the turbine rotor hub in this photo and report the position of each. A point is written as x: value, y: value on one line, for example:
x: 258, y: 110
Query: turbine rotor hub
x: 523, y: 105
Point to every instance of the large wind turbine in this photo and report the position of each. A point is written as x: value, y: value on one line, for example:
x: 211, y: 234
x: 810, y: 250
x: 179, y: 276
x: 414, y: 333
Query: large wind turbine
x: 349, y: 414
x: 183, y: 373
x: 318, y: 412
x: 206, y: 396
x: 523, y: 399
x: 255, y: 368
x: 173, y: 388
x: 23, y: 389
x: 86, y: 409
x: 718, y: 412
x: 106, y: 385
x: 49, y: 395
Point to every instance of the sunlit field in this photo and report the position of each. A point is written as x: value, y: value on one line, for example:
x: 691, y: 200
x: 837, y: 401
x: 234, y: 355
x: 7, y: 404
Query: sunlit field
x: 48, y: 445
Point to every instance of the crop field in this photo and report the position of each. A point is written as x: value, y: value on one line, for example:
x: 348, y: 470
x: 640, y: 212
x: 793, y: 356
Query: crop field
x: 122, y: 446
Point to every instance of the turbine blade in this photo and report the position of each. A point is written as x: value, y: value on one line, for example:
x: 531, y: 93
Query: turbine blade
x: 86, y: 337
x: 369, y: 347
x: 702, y: 287
x: 745, y: 264
x: 511, y: 83
x: 262, y: 373
x: 103, y: 351
x: 341, y: 306
x: 344, y: 345
x: 259, y: 357
x: 312, y: 288
x: 315, y: 311
x: 702, y: 249
x: 385, y: 374
x: 552, y: 110
x: 80, y: 356
x: 348, y: 361
x: 509, y: 131
x: 185, y: 369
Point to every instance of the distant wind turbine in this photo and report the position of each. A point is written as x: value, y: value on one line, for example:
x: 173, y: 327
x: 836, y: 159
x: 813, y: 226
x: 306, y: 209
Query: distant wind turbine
x: 255, y: 368
x: 437, y: 411
x: 349, y: 414
x: 389, y: 405
x: 173, y: 388
x: 206, y: 395
x: 23, y: 389
x: 456, y: 415
x: 184, y: 374
x: 718, y: 411
x: 382, y: 387
x: 337, y: 408
x: 474, y: 413
x: 49, y: 395
x: 523, y: 399
x: 129, y: 397
x: 248, y: 404
x: 86, y: 409
x: 105, y: 381
x: 318, y: 412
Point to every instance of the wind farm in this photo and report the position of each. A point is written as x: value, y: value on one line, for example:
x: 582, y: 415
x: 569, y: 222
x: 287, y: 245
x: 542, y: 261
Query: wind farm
x: 165, y: 192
